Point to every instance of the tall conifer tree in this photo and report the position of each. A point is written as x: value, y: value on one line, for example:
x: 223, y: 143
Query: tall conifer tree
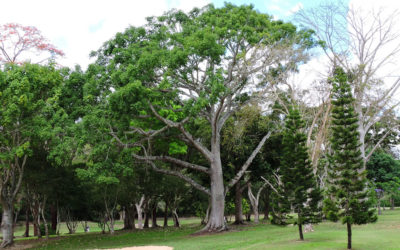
x: 347, y: 194
x: 299, y: 191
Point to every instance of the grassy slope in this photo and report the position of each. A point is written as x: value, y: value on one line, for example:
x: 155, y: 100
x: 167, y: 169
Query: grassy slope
x: 382, y: 235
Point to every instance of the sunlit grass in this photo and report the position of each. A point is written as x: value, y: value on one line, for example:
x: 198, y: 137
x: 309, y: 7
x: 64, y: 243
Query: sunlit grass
x: 381, y: 235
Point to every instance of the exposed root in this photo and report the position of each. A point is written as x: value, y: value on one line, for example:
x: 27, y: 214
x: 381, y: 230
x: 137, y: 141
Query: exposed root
x: 5, y: 244
x: 210, y: 229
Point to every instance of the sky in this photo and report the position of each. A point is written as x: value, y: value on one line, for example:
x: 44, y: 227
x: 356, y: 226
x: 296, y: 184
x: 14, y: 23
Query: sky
x: 78, y: 27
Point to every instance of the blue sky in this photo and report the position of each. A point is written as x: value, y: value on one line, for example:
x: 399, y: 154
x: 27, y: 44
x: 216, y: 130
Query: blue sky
x: 78, y: 27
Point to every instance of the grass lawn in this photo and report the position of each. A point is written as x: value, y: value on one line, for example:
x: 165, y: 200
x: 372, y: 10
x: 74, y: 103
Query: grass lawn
x: 385, y: 234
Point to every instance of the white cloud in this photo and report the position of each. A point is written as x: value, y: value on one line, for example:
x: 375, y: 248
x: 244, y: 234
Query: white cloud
x: 294, y: 9
x: 80, y: 26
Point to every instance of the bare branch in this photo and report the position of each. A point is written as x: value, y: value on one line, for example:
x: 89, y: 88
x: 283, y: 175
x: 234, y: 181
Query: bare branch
x: 247, y: 163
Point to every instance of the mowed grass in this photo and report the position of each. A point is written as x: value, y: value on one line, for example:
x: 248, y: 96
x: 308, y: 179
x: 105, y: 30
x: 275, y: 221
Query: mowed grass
x: 385, y: 234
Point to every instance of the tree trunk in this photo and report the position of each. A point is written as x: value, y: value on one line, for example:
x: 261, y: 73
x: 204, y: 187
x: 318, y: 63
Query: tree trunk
x: 348, y: 235
x: 46, y: 229
x: 254, y: 202
x: 238, y: 204
x: 248, y: 216
x: 301, y: 231
x: 26, y: 234
x: 216, y: 221
x: 392, y: 203
x: 176, y: 218
x: 146, y: 219
x: 140, y: 216
x: 129, y: 219
x: 154, y: 216
x: 7, y: 222
x: 53, y: 212
x: 267, y: 208
x: 166, y: 214
x: 379, y: 207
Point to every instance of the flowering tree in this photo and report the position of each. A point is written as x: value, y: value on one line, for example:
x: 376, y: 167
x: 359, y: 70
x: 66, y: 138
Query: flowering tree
x: 16, y: 39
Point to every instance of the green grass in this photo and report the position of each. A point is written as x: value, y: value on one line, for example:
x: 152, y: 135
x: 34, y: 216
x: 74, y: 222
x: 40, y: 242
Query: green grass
x: 382, y: 235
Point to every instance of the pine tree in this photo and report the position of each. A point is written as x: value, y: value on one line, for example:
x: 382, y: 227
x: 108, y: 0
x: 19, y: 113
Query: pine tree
x: 299, y: 187
x: 347, y: 194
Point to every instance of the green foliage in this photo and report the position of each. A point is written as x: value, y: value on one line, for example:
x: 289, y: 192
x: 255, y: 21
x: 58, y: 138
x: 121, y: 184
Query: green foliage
x: 347, y: 193
x: 299, y: 189
x: 50, y: 230
x: 245, y: 206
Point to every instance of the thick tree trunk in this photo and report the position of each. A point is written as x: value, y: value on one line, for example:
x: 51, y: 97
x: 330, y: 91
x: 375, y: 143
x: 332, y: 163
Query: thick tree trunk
x: 348, y: 235
x: 146, y: 219
x: 216, y: 221
x: 129, y: 218
x: 301, y: 231
x: 166, y: 214
x: 238, y: 204
x: 7, y: 224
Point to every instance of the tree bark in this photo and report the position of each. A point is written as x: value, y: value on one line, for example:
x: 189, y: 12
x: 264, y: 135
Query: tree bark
x: 53, y: 211
x: 154, y: 215
x: 129, y: 219
x: 267, y: 207
x: 301, y: 231
x: 238, y: 204
x: 139, y: 210
x: 26, y: 234
x: 348, y: 235
x: 166, y: 214
x: 216, y: 220
x: 7, y: 224
x: 176, y: 218
x: 46, y: 229
x: 146, y: 219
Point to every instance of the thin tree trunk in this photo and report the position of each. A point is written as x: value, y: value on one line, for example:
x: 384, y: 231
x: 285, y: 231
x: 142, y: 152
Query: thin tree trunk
x: 26, y: 234
x: 166, y: 214
x: 267, y: 207
x: 7, y: 224
x: 176, y: 218
x: 379, y: 207
x: 139, y: 209
x: 301, y: 231
x: 53, y: 211
x: 154, y: 216
x: 348, y: 235
x: 46, y: 229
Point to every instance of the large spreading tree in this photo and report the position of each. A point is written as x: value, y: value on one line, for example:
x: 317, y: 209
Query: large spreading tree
x: 347, y: 193
x: 182, y: 69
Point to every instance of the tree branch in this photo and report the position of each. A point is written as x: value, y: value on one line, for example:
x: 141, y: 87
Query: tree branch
x: 247, y: 163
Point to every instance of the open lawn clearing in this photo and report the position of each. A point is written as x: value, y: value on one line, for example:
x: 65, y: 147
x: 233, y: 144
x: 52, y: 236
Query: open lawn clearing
x: 382, y: 235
